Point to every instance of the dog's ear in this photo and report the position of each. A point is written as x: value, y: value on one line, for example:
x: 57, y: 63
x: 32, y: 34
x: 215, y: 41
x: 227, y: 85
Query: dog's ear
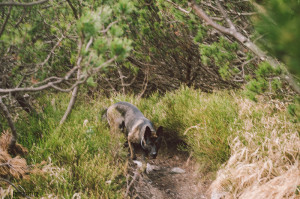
x: 147, y: 132
x: 159, y: 131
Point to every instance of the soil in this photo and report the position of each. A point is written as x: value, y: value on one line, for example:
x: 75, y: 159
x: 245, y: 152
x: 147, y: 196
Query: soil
x: 162, y: 183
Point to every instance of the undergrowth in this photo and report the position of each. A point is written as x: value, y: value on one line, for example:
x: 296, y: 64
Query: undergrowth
x: 82, y: 159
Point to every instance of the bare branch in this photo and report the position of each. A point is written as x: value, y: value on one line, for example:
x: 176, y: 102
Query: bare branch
x: 71, y: 104
x: 52, y: 51
x: 198, y: 10
x: 12, y: 3
x: 122, y: 80
x: 75, y: 90
x: 178, y: 7
x: 5, y: 22
x: 145, y: 84
x: 134, y: 179
x: 19, y: 191
x: 31, y: 89
x: 231, y: 25
x: 73, y: 9
x: 88, y: 44
x: 21, y: 18
x: 49, y: 79
x: 10, y: 123
x: 95, y: 70
x: 108, y: 27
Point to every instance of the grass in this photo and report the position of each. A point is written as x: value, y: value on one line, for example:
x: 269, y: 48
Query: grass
x: 264, y: 161
x: 81, y: 158
x: 85, y: 159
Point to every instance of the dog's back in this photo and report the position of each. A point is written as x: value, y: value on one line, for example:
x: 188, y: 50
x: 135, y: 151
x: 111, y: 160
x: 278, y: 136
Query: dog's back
x: 128, y: 114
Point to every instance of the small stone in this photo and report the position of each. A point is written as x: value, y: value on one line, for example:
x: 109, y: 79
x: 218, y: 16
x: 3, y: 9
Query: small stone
x: 138, y: 163
x: 151, y: 168
x: 177, y: 170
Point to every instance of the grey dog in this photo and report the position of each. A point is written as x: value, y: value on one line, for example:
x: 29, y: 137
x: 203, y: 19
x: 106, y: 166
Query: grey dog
x: 138, y: 129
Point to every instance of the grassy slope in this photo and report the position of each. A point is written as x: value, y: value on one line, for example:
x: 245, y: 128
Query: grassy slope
x: 85, y: 159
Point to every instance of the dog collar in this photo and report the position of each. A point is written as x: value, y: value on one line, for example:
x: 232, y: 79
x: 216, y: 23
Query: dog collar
x: 142, y: 143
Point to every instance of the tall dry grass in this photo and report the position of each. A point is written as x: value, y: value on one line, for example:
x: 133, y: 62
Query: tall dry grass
x: 265, y: 155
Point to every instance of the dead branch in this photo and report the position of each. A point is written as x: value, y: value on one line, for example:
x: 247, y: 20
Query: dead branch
x: 134, y: 178
x: 122, y: 80
x: 108, y: 27
x: 178, y: 7
x: 18, y: 190
x: 75, y: 90
x: 71, y: 104
x: 5, y: 21
x: 12, y: 3
x: 73, y: 9
x: 145, y: 84
x: 11, y: 125
x: 227, y: 19
x: 52, y: 51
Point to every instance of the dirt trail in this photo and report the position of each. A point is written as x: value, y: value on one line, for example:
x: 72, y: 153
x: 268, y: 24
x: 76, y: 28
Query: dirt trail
x: 162, y: 183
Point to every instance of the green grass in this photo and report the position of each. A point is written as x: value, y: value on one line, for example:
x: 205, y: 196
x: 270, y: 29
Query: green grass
x: 86, y: 157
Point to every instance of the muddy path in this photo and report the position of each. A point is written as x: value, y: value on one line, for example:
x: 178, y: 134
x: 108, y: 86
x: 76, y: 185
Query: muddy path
x: 171, y: 175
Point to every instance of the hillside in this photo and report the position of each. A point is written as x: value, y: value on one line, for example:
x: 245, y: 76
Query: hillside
x: 222, y: 78
x: 250, y: 145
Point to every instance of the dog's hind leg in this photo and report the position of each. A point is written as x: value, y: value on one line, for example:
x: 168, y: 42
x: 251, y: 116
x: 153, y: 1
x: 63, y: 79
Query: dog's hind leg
x: 122, y: 126
x: 132, y: 151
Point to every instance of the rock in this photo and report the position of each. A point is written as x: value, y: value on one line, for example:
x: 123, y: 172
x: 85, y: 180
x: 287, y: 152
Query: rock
x: 151, y: 168
x: 177, y: 170
x: 217, y: 195
x: 138, y: 163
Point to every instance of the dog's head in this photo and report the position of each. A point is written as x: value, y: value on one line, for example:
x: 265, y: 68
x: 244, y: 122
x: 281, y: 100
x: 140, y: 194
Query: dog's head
x: 152, y: 141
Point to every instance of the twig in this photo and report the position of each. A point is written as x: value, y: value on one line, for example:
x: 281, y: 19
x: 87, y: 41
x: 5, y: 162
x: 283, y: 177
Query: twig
x: 73, y: 9
x: 134, y: 178
x: 145, y: 84
x: 19, y: 191
x: 227, y: 19
x: 75, y: 90
x: 108, y: 27
x: 21, y: 18
x: 12, y: 3
x: 52, y: 50
x: 178, y: 7
x: 6, y: 20
x: 10, y: 123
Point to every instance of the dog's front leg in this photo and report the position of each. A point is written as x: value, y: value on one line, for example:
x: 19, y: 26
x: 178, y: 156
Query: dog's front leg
x: 132, y: 151
x: 144, y: 155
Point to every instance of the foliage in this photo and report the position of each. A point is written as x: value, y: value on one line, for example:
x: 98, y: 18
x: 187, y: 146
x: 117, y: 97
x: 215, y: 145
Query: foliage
x: 84, y: 158
x: 49, y: 40
x: 279, y: 23
x: 266, y: 79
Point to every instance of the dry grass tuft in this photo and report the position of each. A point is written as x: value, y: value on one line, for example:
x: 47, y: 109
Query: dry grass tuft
x: 264, y: 160
x: 15, y: 167
x: 4, y: 144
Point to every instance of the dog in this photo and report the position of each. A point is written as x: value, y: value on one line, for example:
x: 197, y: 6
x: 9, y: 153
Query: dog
x: 139, y: 130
